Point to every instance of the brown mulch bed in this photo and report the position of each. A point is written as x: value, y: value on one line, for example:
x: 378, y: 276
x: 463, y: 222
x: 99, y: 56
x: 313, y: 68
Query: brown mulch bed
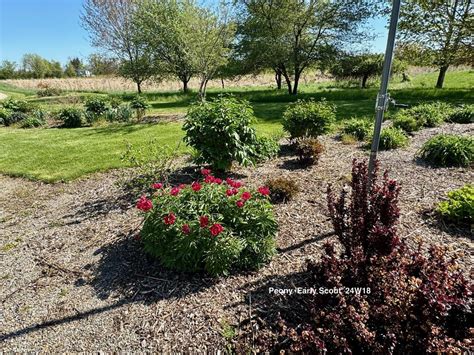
x: 73, y: 278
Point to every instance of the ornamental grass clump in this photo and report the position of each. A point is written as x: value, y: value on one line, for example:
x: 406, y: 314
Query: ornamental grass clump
x: 210, y: 225
x: 408, y: 300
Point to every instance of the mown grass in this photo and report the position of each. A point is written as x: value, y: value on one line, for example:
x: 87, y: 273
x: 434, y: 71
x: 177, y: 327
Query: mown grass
x: 64, y: 154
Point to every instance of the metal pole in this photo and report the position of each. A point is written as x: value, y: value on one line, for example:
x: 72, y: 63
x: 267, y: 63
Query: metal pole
x: 382, y: 97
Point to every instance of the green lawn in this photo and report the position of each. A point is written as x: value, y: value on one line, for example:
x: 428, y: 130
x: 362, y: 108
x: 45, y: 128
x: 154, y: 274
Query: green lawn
x: 64, y: 154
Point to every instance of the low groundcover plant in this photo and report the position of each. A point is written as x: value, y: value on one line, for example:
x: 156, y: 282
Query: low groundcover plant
x: 211, y: 225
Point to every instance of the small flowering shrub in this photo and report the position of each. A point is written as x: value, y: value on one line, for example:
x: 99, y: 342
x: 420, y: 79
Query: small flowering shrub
x: 121, y: 113
x: 18, y: 105
x: 210, y: 225
x: 459, y: 207
x: 409, y: 301
x: 359, y: 128
x: 309, y: 150
x: 392, y: 138
x: 221, y: 132
x: 15, y: 117
x: 282, y: 189
x: 448, y: 150
x: 463, y: 114
x: 308, y: 118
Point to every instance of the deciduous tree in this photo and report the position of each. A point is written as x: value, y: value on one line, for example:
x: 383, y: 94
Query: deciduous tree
x: 444, y: 26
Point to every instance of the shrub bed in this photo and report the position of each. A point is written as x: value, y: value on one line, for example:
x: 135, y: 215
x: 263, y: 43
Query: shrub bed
x: 459, y: 207
x: 408, y: 301
x: 210, y: 225
x: 308, y: 118
x: 448, y: 150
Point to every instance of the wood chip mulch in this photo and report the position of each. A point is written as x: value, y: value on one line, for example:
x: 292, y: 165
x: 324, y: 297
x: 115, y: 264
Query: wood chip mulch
x: 73, y: 278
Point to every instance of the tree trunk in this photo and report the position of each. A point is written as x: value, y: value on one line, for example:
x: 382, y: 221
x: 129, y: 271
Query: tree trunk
x: 295, y: 84
x: 442, y: 73
x: 288, y: 83
x: 202, y: 89
x: 278, y: 79
x: 139, y: 87
x: 185, y: 82
x: 364, y: 81
x: 222, y: 83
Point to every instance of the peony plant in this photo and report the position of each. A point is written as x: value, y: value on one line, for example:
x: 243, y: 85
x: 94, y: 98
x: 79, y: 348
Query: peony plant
x: 210, y: 225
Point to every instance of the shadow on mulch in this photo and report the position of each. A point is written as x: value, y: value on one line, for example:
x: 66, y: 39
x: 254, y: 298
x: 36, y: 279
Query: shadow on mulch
x: 293, y: 164
x: 432, y: 219
x: 126, y: 270
x: 286, y: 150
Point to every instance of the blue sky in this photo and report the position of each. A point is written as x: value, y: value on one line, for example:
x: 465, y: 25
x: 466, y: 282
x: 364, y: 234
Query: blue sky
x: 51, y: 28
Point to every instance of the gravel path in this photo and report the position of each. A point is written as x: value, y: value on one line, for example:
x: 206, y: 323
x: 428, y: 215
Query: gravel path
x: 73, y: 278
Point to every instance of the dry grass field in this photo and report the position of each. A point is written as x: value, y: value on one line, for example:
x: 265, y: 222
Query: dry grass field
x: 117, y: 84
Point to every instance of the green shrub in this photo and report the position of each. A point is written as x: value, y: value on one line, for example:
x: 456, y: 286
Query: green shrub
x: 71, y: 117
x: 459, y: 207
x: 220, y: 131
x: 122, y: 113
x: 211, y: 225
x: 282, y: 189
x: 448, y: 150
x: 115, y: 101
x: 463, y: 114
x: 95, y: 108
x: 18, y: 105
x: 15, y: 117
x: 31, y: 122
x: 430, y: 114
x: 4, y: 114
x: 266, y: 148
x: 309, y: 150
x: 407, y: 122
x: 48, y: 91
x: 358, y: 127
x: 392, y: 138
x: 140, y: 106
x: 308, y: 118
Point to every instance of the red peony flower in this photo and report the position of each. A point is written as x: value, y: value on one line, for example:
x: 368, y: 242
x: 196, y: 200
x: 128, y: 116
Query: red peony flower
x: 174, y: 191
x: 246, y: 196
x: 157, y: 185
x: 216, y: 229
x: 186, y: 229
x: 203, y: 221
x: 229, y: 192
x: 205, y: 171
x: 229, y: 181
x: 265, y: 191
x: 237, y: 184
x: 169, y: 219
x: 182, y: 186
x: 209, y: 179
x: 144, y: 204
x: 196, y: 186
x: 217, y: 181
x: 240, y: 203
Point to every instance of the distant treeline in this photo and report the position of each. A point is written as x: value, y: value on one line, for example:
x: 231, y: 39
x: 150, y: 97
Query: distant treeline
x: 33, y: 66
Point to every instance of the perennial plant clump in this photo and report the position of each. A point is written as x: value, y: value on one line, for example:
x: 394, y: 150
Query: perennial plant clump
x: 410, y: 300
x: 221, y: 132
x: 210, y: 225
x: 448, y: 150
x: 459, y: 207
